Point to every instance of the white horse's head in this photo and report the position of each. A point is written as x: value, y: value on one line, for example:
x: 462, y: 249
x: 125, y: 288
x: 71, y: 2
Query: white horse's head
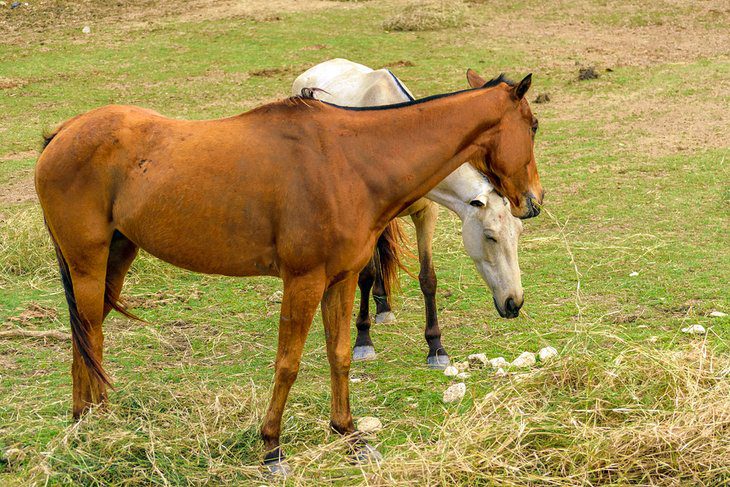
x: 491, y: 234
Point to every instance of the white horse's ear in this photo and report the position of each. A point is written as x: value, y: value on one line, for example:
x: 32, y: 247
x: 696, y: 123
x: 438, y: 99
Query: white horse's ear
x: 479, y: 200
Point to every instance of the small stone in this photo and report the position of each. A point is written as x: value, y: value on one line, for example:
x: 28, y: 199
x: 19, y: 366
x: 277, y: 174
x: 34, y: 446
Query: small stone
x: 500, y: 372
x: 455, y: 392
x: 355, y: 380
x: 461, y: 366
x: 86, y: 29
x: 15, y: 5
x: 718, y: 314
x: 498, y: 362
x: 546, y: 354
x: 526, y: 359
x: 634, y: 274
x: 451, y: 371
x: 478, y: 360
x: 369, y: 424
x: 463, y: 375
x: 694, y: 330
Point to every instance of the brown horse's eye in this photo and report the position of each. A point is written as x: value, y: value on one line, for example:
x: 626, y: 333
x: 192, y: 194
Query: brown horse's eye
x: 534, y: 126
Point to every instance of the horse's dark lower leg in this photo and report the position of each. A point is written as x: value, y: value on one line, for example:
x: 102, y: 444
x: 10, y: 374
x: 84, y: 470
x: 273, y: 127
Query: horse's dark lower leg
x: 425, y: 222
x: 437, y: 356
x: 364, y: 349
x: 384, y: 313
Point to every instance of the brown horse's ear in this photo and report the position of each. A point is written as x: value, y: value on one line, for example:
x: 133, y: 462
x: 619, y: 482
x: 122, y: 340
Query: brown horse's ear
x: 518, y: 92
x: 475, y: 81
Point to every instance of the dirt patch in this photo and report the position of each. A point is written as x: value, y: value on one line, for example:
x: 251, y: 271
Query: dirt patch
x: 35, y: 312
x: 400, y: 64
x: 587, y: 73
x: 17, y: 156
x: 10, y: 83
x: 19, y: 191
x: 276, y: 72
x: 160, y: 298
x: 315, y: 47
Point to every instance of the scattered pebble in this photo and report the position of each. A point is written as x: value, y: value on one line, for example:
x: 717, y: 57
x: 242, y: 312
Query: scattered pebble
x: 546, y: 354
x: 498, y: 362
x: 369, y: 424
x: 478, y: 360
x: 463, y: 375
x: 718, y: 314
x: 462, y: 366
x: 355, y: 380
x: 451, y: 371
x: 500, y: 372
x: 694, y: 330
x: 526, y: 359
x: 542, y: 98
x: 86, y: 29
x: 634, y: 274
x: 15, y: 5
x: 455, y: 392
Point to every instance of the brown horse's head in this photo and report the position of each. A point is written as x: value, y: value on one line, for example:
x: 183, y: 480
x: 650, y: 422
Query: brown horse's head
x: 509, y: 160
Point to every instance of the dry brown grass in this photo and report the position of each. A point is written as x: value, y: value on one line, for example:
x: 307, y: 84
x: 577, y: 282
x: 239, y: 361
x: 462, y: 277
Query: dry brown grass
x: 427, y: 15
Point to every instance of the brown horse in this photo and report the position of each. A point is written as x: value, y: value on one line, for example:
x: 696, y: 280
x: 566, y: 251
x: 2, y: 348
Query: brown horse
x: 298, y: 189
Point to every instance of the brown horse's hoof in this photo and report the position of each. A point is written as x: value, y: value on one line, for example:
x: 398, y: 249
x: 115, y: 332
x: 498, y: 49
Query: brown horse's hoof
x: 385, y: 317
x: 364, y: 352
x: 438, y: 362
x: 275, y: 465
x: 364, y: 453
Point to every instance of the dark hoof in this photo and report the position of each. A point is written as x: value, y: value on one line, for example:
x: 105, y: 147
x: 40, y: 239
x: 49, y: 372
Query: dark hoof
x: 438, y: 362
x: 364, y: 352
x: 365, y: 453
x: 276, y: 466
x: 385, y: 317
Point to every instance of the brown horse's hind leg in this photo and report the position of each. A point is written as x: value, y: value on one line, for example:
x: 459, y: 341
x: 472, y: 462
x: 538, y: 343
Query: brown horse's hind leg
x: 364, y: 349
x: 87, y: 268
x: 383, y: 311
x: 336, y: 311
x: 122, y: 253
x: 301, y: 296
x: 425, y: 222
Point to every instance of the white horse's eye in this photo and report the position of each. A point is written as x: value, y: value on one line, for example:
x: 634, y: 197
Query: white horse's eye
x: 489, y: 237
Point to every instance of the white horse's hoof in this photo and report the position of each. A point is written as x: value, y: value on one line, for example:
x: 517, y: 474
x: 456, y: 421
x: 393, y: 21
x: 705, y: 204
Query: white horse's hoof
x: 365, y: 454
x: 438, y: 362
x: 277, y: 469
x: 385, y: 317
x: 364, y: 352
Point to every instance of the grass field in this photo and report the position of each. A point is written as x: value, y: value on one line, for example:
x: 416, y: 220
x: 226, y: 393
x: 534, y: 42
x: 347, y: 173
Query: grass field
x: 636, y: 165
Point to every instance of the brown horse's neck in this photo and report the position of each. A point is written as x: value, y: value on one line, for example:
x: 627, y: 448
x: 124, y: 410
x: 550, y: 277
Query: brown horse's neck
x: 402, y: 153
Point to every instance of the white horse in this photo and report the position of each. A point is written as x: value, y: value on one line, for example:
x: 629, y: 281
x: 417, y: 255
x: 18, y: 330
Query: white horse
x: 489, y: 230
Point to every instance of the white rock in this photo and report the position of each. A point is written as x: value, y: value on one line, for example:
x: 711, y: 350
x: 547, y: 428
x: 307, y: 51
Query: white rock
x: 498, y: 362
x: 355, y: 380
x: 694, y: 330
x: 500, y: 372
x: 546, y: 354
x: 451, y: 371
x: 478, y: 360
x: 369, y: 424
x: 455, y: 392
x: 463, y: 375
x: 461, y: 366
x: 718, y: 314
x: 634, y: 274
x: 86, y: 29
x: 526, y: 359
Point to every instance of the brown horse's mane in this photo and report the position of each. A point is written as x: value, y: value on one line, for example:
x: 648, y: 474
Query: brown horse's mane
x: 308, y: 95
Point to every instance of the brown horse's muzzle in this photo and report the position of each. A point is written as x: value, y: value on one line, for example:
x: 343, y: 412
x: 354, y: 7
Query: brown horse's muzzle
x: 530, y: 206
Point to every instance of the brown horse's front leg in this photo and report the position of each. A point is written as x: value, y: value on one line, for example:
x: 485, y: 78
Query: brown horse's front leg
x: 336, y: 311
x: 301, y: 295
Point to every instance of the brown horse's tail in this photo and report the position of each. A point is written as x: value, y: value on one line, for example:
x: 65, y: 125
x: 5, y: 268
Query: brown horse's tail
x: 387, y: 255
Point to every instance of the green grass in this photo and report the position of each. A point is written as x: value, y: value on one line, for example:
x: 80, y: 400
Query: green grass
x: 193, y: 382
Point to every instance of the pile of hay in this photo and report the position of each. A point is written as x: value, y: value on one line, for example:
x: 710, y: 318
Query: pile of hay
x: 428, y: 15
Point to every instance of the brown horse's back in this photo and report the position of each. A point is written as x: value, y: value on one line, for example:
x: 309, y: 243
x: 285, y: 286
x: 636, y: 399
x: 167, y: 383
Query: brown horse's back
x: 190, y: 192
